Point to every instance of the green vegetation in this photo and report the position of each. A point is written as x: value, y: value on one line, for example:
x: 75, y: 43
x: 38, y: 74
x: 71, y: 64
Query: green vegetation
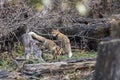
x: 3, y: 64
x: 7, y: 62
x: 76, y: 56
x: 38, y: 4
x: 79, y: 55
x: 33, y: 2
x: 8, y: 65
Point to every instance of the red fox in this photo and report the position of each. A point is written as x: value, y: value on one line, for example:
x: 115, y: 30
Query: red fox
x: 47, y: 43
x: 65, y: 42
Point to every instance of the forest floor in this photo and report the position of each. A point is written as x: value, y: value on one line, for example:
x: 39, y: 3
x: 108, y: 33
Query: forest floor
x: 8, y: 69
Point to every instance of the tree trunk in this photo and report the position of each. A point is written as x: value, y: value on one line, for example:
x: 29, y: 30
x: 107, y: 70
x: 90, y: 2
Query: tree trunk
x: 108, y: 61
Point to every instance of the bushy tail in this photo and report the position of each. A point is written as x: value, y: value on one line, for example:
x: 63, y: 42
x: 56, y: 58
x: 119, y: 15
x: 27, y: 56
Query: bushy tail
x: 36, y: 36
x: 68, y: 50
x: 70, y: 54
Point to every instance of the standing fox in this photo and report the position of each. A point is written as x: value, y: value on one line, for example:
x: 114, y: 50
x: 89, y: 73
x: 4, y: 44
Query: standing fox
x: 65, y: 42
x: 47, y: 43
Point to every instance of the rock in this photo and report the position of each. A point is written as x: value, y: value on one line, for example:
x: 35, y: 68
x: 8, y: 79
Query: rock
x: 3, y: 73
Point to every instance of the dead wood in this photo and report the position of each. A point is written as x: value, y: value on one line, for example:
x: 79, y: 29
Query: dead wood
x: 108, y: 62
x: 56, y: 67
x: 81, y: 31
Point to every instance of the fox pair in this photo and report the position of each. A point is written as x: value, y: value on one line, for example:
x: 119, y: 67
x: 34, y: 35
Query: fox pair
x: 52, y: 46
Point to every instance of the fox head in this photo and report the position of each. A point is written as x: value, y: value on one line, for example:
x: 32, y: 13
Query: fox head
x: 55, y: 32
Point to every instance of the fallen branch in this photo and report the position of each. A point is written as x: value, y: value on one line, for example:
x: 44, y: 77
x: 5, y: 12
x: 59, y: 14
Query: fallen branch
x: 57, y: 67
